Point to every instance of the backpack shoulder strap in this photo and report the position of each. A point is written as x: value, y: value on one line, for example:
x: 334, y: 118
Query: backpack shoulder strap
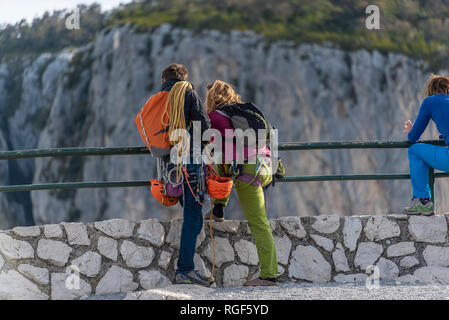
x: 222, y: 113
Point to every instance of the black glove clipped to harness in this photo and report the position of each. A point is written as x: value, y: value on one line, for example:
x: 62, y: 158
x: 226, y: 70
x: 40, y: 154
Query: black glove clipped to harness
x: 218, y: 210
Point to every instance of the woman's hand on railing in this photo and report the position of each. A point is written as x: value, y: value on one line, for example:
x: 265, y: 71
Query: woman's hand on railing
x: 408, y: 125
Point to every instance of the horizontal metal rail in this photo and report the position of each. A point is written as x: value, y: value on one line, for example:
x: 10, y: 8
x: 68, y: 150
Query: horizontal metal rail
x: 353, y: 145
x: 354, y: 177
x: 145, y: 183
x: 64, y: 152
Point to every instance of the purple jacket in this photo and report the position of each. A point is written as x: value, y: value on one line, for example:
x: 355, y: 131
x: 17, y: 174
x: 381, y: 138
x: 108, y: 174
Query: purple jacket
x: 221, y: 122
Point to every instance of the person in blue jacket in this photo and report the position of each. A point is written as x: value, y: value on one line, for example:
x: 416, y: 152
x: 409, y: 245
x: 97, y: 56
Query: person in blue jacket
x: 422, y: 156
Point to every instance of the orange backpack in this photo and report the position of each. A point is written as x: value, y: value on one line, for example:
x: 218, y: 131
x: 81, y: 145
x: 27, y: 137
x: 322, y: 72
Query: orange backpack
x: 150, y: 124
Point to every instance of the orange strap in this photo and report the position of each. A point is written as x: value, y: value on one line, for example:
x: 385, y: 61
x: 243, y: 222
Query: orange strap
x: 184, y: 169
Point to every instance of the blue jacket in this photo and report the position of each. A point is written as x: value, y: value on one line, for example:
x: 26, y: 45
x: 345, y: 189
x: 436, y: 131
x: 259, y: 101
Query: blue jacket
x: 434, y: 107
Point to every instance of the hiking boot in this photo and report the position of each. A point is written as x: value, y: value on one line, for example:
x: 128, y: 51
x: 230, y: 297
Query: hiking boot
x: 192, y: 278
x: 260, y: 282
x: 418, y: 208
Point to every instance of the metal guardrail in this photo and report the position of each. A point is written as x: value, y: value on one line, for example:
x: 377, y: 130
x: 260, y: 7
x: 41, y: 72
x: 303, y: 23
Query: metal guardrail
x: 64, y: 152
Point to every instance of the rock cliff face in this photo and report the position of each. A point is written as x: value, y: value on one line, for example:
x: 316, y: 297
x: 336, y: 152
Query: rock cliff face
x: 88, y: 97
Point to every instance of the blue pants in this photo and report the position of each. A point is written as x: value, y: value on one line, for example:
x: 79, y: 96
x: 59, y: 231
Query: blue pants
x: 192, y: 224
x: 422, y: 156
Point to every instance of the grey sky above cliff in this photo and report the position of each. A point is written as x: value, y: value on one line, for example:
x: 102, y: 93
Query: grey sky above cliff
x: 14, y: 11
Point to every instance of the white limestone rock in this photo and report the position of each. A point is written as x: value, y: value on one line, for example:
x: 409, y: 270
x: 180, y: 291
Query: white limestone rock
x: 33, y: 231
x: 153, y: 279
x: 325, y: 243
x: 388, y: 269
x: 283, y: 248
x: 88, y: 264
x: 235, y: 275
x: 14, y: 286
x: 367, y: 254
x: 76, y: 233
x: 55, y: 252
x: 136, y: 256
x: 340, y: 260
x: 281, y: 270
x: 351, y: 232
x: 2, y: 262
x: 40, y: 275
x: 53, y: 231
x: 116, y: 228
x: 408, y: 279
x: 116, y: 280
x: 247, y: 252
x: 436, y: 256
x: 223, y: 251
x: 293, y: 227
x: 435, y: 275
x: 108, y: 247
x: 401, y: 249
x: 65, y: 288
x: 408, y: 262
x: 380, y: 228
x: 14, y: 249
x: 229, y: 226
x: 174, y: 234
x: 307, y: 263
x: 428, y: 229
x: 351, y: 278
x: 164, y: 259
x: 153, y: 231
x: 397, y: 216
x: 326, y: 224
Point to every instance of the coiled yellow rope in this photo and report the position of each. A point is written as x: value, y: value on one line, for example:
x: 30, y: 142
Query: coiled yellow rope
x: 176, y: 120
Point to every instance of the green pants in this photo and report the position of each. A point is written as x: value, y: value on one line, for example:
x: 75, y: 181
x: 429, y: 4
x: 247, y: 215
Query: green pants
x: 253, y: 203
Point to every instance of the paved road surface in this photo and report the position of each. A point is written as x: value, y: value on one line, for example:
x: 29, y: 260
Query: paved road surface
x: 291, y: 291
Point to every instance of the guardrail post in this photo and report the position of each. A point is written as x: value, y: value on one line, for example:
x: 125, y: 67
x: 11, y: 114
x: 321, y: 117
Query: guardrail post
x: 432, y: 183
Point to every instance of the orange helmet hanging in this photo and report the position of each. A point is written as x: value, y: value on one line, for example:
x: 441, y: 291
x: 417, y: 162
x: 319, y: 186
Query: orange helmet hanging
x: 157, y: 190
x: 219, y: 187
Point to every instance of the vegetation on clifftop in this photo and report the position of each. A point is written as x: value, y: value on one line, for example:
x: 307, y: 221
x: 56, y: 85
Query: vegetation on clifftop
x: 417, y: 28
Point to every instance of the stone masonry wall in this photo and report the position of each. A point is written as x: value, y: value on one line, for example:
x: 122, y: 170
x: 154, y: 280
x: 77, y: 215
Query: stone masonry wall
x: 120, y: 256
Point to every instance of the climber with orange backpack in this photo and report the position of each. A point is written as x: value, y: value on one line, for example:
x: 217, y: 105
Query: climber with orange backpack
x: 176, y: 107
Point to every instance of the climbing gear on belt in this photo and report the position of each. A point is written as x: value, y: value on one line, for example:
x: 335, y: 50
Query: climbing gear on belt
x: 261, y: 177
x: 174, y: 189
x: 195, y: 195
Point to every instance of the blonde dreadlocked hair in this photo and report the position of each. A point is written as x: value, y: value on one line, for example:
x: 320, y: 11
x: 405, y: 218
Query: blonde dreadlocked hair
x: 220, y: 93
